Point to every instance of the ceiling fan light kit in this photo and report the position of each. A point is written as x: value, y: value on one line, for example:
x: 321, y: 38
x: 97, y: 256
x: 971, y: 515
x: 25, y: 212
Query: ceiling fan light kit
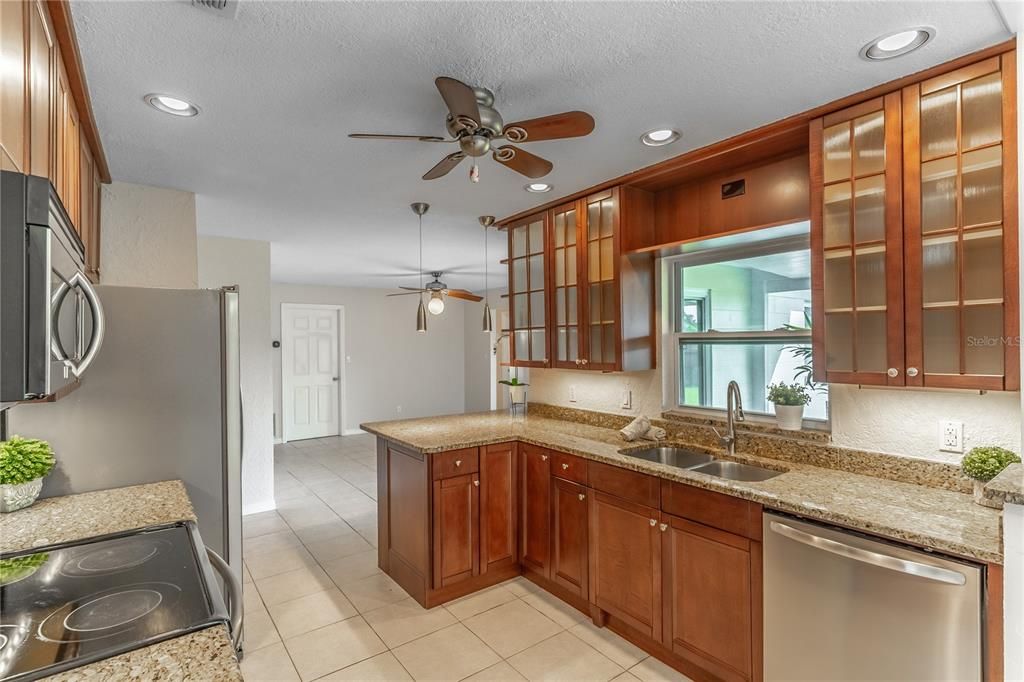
x: 474, y: 124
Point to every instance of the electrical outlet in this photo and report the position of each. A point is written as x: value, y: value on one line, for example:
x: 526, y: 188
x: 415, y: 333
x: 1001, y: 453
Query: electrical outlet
x: 951, y: 436
x: 627, y: 399
x: 572, y: 393
x: 398, y: 409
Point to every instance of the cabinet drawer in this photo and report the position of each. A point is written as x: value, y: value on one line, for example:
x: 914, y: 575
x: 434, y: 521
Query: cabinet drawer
x: 569, y: 467
x: 724, y: 512
x: 455, y: 463
x: 623, y: 483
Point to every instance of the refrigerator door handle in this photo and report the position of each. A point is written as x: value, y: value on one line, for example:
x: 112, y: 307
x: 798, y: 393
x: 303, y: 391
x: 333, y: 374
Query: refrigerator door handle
x: 234, y: 590
x: 891, y: 563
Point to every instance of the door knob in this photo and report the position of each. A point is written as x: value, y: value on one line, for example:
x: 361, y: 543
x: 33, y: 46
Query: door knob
x: 582, y: 497
x: 912, y: 371
x: 893, y: 372
x: 564, y: 467
x: 543, y: 458
x: 334, y: 378
x: 654, y: 522
x: 458, y: 462
x: 476, y: 483
x: 663, y: 527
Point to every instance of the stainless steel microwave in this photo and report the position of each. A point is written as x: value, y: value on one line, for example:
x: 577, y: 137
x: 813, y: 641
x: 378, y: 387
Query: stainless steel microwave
x: 51, y: 321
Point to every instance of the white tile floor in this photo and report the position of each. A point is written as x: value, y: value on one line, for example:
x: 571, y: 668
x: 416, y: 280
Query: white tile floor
x: 318, y: 608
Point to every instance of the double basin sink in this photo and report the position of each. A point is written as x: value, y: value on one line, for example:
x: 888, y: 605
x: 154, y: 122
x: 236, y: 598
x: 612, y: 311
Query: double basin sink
x: 703, y: 463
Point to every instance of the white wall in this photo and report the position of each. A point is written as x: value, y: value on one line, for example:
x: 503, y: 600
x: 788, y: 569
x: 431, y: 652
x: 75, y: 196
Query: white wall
x: 1013, y: 591
x: 149, y: 237
x: 480, y: 358
x: 246, y: 263
x: 388, y: 363
x: 899, y: 422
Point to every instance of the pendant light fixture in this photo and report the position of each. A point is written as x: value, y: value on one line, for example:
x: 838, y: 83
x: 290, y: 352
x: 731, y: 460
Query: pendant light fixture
x: 488, y: 326
x: 419, y: 208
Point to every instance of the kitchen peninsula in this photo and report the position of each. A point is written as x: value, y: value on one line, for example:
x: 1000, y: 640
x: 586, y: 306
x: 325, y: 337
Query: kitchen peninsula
x: 467, y: 501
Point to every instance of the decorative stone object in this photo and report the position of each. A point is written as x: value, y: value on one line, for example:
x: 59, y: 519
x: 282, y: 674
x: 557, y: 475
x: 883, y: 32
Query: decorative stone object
x: 19, y: 495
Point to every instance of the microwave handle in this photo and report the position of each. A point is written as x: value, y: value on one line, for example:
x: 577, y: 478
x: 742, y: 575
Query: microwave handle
x: 98, y: 323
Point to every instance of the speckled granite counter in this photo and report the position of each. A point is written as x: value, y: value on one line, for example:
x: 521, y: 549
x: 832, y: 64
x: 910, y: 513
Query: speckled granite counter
x: 1008, y: 486
x: 931, y: 517
x: 203, y: 655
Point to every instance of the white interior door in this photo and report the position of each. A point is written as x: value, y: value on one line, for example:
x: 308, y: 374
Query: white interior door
x: 310, y: 371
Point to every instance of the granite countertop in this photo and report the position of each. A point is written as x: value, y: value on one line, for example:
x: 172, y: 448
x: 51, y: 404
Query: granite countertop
x: 1008, y: 486
x: 203, y: 655
x: 930, y: 517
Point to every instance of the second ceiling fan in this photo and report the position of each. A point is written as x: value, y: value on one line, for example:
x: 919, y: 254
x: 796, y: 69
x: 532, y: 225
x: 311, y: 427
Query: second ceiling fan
x: 475, y: 125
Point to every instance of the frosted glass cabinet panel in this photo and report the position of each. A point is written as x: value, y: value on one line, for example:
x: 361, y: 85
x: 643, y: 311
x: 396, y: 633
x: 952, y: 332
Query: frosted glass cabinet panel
x: 960, y: 228
x: 856, y: 243
x: 528, y: 291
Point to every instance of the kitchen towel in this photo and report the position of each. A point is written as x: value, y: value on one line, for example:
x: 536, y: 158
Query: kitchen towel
x: 637, y: 428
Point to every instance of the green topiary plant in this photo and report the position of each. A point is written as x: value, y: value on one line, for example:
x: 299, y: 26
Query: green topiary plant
x: 984, y: 462
x: 24, y: 459
x: 788, y: 394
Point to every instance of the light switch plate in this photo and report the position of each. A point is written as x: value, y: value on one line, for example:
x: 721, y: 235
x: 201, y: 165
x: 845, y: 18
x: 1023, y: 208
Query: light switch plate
x: 572, y: 393
x: 951, y: 436
x: 627, y: 399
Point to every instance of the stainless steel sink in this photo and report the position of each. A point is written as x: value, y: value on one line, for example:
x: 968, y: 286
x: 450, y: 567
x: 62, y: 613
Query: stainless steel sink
x: 734, y: 471
x: 676, y: 457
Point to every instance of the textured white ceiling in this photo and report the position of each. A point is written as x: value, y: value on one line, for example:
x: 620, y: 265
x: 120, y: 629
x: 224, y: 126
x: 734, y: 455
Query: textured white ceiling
x: 282, y: 83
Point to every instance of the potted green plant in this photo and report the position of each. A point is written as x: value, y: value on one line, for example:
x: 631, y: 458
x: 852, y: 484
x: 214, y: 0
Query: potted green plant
x: 789, y: 400
x: 984, y: 463
x: 23, y: 464
x: 516, y: 390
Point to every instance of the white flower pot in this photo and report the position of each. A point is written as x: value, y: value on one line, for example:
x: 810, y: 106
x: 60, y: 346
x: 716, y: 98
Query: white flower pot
x: 517, y: 394
x: 14, y: 496
x: 789, y: 417
x: 979, y: 496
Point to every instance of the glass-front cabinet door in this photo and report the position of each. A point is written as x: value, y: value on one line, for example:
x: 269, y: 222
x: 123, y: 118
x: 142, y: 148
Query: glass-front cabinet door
x: 856, y: 242
x: 565, y: 257
x: 961, y: 228
x: 599, y: 279
x: 527, y: 291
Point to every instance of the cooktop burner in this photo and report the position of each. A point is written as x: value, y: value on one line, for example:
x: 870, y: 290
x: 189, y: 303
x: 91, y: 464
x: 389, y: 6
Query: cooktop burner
x: 71, y: 604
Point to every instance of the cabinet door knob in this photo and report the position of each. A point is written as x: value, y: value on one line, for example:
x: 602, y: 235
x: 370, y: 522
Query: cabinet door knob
x: 654, y: 522
x: 893, y: 372
x: 565, y: 466
x: 582, y: 497
x: 912, y: 371
x: 458, y: 462
x: 577, y: 362
x: 583, y: 362
x: 476, y: 483
x: 543, y: 458
x: 663, y: 527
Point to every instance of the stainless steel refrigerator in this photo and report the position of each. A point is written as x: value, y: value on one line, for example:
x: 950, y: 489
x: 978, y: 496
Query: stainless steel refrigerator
x: 160, y: 401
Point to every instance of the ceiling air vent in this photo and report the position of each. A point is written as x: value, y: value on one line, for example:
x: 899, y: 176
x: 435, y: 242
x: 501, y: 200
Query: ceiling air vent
x: 222, y: 8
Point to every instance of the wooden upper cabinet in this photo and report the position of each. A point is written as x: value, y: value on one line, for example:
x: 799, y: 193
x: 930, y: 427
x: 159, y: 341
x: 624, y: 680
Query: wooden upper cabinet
x: 13, y: 53
x: 599, y: 298
x: 960, y: 227
x: 857, y: 245
x: 40, y: 74
x: 528, y: 294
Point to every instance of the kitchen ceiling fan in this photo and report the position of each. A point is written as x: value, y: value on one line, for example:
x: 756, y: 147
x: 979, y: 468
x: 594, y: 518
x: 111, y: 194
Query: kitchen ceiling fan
x: 475, y: 125
x: 438, y: 290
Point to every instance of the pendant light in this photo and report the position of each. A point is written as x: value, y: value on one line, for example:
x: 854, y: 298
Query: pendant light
x: 488, y: 326
x: 419, y: 208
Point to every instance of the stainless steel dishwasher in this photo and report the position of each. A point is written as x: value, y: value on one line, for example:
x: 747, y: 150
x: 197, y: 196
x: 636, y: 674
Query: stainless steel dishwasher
x: 841, y: 606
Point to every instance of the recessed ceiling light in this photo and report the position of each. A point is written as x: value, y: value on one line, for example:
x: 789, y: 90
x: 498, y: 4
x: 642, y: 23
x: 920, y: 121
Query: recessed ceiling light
x: 896, y: 44
x: 171, y: 105
x: 659, y: 137
x: 538, y: 187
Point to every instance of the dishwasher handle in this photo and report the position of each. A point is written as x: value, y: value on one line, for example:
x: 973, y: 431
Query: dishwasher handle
x: 234, y: 589
x: 892, y: 563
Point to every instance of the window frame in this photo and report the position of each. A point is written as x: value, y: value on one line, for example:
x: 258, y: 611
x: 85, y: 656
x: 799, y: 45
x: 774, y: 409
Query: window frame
x: 673, y: 300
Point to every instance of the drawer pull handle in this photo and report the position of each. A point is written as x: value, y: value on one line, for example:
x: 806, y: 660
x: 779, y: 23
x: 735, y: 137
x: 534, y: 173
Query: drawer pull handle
x: 582, y: 497
x: 476, y: 483
x: 458, y: 462
x: 654, y: 522
x: 564, y: 467
x: 663, y: 527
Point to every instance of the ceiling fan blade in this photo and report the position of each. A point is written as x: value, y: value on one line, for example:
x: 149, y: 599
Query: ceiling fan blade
x: 444, y: 166
x: 385, y: 136
x: 554, y: 127
x: 413, y: 289
x: 460, y: 100
x: 406, y: 293
x: 464, y: 295
x: 525, y: 163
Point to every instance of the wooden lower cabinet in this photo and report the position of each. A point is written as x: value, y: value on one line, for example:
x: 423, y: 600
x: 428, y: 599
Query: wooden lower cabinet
x: 499, y: 506
x: 535, y: 520
x: 711, y: 597
x: 569, y: 529
x: 456, y: 521
x: 625, y: 562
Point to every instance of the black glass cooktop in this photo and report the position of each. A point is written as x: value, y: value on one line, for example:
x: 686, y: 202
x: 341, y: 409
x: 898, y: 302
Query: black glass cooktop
x: 71, y: 604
